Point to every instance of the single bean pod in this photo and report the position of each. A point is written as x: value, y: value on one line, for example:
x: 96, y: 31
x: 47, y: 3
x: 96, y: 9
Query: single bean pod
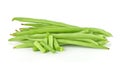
x: 88, y: 41
x: 57, y: 45
x: 78, y: 36
x: 36, y: 25
x: 99, y: 31
x: 79, y: 43
x: 24, y: 45
x: 39, y: 46
x: 42, y: 21
x: 34, y: 28
x: 48, y: 47
x: 102, y: 42
x: 51, y: 40
x: 50, y: 30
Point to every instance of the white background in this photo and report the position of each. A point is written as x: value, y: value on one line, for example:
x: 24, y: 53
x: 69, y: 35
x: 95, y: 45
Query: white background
x: 103, y: 14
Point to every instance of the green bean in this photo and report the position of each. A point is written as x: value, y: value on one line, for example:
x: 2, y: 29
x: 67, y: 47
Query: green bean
x: 84, y: 31
x: 50, y: 39
x: 89, y: 41
x: 42, y: 21
x: 39, y: 25
x: 51, y: 30
x: 78, y: 36
x: 75, y: 36
x: 26, y: 29
x: 45, y: 40
x: 24, y: 45
x: 102, y: 42
x: 34, y: 25
x: 39, y: 46
x: 99, y: 31
x: 19, y: 38
x: 48, y: 47
x: 33, y: 28
x: 80, y: 43
x: 57, y: 46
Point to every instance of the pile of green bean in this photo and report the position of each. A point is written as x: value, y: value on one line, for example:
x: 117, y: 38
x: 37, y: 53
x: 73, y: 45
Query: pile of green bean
x: 46, y: 35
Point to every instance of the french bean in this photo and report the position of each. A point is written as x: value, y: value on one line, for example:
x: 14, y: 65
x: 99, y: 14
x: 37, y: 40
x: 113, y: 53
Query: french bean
x: 99, y: 31
x: 51, y: 30
x: 79, y: 43
x: 37, y: 25
x: 39, y: 46
x: 33, y: 28
x: 42, y: 21
x: 48, y: 47
x: 89, y: 41
x: 24, y: 45
x: 51, y: 41
x: 102, y: 42
x: 57, y: 45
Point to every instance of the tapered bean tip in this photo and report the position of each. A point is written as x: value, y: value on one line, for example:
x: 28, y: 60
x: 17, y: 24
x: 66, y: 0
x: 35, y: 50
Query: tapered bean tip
x: 110, y: 35
x: 107, y: 48
x: 22, y: 24
x: 16, y: 30
x: 10, y: 39
x: 13, y: 19
x: 12, y: 34
x: 20, y: 28
x: 14, y: 47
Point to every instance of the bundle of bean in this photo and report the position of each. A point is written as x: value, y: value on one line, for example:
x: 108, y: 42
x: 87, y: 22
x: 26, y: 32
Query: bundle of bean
x: 46, y: 35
